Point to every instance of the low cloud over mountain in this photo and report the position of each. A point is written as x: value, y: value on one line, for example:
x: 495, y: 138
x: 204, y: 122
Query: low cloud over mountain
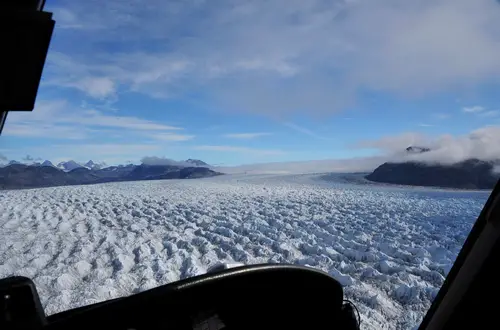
x: 481, y: 144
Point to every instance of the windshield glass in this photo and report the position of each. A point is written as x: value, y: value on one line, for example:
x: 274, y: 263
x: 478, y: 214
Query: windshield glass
x: 356, y: 137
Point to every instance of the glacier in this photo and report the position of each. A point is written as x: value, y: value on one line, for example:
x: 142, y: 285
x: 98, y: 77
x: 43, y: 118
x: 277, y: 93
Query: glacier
x: 390, y: 247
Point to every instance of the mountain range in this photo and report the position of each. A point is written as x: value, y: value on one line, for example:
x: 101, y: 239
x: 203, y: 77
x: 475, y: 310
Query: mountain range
x: 17, y: 175
x: 66, y: 165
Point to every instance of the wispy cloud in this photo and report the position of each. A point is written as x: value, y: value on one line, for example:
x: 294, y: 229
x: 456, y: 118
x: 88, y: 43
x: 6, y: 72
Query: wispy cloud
x: 473, y: 109
x: 245, y: 136
x: 425, y: 125
x: 223, y: 148
x: 153, y: 160
x: 313, y: 166
x: 108, y: 148
x: 490, y: 113
x: 303, y: 130
x: 96, y: 118
x: 97, y: 87
x: 101, y: 76
x: 276, y: 57
x: 111, y: 153
x: 394, y: 143
x: 214, y: 127
x: 3, y: 157
x: 60, y: 119
x: 28, y: 158
x: 170, y: 137
x: 45, y: 130
x: 66, y: 19
x: 441, y: 116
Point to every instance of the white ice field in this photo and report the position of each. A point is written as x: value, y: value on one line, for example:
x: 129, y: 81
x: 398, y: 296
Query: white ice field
x: 390, y: 247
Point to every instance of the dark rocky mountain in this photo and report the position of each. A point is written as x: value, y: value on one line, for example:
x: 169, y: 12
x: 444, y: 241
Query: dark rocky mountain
x: 23, y: 176
x: 196, y: 162
x: 114, y: 171
x: 20, y: 175
x: 161, y: 172
x: 417, y: 150
x: 468, y: 174
x: 196, y: 172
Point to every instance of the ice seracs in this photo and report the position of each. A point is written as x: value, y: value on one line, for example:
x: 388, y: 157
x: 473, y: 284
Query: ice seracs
x: 389, y: 247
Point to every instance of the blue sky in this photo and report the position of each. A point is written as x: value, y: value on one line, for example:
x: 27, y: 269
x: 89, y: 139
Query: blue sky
x: 238, y: 82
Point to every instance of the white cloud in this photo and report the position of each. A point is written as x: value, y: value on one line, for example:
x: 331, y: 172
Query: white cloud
x: 100, y: 75
x: 245, y: 136
x: 365, y: 164
x: 481, y: 143
x: 96, y: 118
x: 104, y: 134
x: 170, y: 137
x: 97, y: 87
x: 425, y: 125
x: 105, y: 148
x: 441, y: 116
x: 66, y: 19
x: 110, y: 153
x: 28, y: 158
x: 222, y: 148
x: 282, y: 56
x: 153, y: 160
x: 491, y: 113
x: 475, y: 108
x: 59, y: 119
x: 304, y: 130
x: 390, y: 144
x: 43, y: 130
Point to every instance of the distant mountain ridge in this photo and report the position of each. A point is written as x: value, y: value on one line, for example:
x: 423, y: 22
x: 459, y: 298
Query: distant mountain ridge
x: 17, y: 175
x: 468, y: 174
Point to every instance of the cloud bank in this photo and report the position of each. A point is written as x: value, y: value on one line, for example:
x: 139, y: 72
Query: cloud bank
x: 314, y: 166
x: 482, y: 143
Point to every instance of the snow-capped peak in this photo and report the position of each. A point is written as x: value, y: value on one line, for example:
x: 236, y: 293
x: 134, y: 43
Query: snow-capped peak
x: 47, y: 163
x: 91, y: 165
x: 69, y: 165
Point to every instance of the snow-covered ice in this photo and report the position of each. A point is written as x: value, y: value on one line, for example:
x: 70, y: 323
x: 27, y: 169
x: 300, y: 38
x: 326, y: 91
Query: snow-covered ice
x: 390, y: 247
